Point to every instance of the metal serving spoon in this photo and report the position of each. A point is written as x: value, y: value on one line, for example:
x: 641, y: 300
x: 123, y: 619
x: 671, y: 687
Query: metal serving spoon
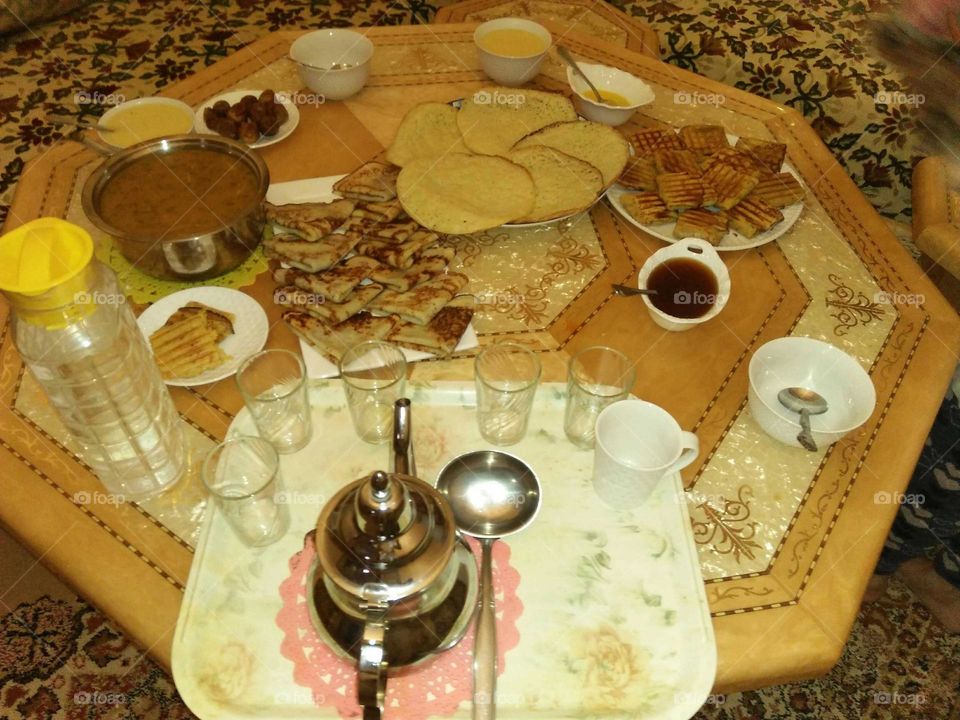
x: 627, y: 290
x: 492, y: 494
x: 807, y: 403
x: 568, y: 59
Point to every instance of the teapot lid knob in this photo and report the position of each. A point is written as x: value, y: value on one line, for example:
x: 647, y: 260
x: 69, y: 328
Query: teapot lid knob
x: 380, y: 486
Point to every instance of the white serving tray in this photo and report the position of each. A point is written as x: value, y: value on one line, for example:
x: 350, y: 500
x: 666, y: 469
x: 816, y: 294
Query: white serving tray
x: 615, y: 620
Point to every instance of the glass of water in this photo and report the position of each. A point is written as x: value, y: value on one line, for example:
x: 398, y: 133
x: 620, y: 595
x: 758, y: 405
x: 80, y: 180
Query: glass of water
x: 243, y: 477
x: 274, y: 387
x: 506, y: 374
x: 374, y: 377
x: 598, y: 376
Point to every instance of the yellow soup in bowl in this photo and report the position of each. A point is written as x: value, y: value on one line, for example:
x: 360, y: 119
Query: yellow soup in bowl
x: 137, y: 122
x: 607, y: 97
x: 512, y: 42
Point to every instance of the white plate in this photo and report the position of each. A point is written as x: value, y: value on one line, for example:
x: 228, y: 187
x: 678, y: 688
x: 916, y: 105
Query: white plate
x: 732, y: 240
x: 321, y: 190
x: 250, y: 326
x: 234, y: 96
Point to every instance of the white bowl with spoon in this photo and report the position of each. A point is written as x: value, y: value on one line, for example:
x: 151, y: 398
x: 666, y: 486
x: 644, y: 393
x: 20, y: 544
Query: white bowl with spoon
x: 620, y: 93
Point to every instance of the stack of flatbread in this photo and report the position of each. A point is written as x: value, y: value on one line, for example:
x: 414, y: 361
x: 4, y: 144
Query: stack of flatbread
x: 188, y: 343
x: 375, y: 275
x: 506, y: 155
x: 696, y: 179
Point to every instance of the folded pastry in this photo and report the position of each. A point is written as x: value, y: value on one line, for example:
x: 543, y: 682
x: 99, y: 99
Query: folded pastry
x: 397, y: 254
x: 380, y: 212
x: 701, y: 223
x: 336, y: 283
x: 646, y: 208
x: 312, y: 256
x: 733, y: 158
x: 330, y: 312
x: 753, y: 216
x: 768, y: 154
x: 403, y: 280
x: 704, y: 139
x: 332, y: 341
x: 778, y: 190
x: 311, y: 221
x: 420, y: 304
x: 729, y: 186
x: 187, y: 346
x: 372, y: 182
x: 441, y: 335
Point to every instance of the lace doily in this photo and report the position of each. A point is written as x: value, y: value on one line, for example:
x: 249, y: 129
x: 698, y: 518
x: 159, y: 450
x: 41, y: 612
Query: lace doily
x: 435, y: 688
x: 141, y: 288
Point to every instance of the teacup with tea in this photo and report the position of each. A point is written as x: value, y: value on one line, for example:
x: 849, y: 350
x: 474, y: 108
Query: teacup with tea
x: 690, y: 281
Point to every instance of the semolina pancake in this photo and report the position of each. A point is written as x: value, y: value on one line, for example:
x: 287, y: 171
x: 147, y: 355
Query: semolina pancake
x: 428, y: 130
x: 494, y: 118
x: 461, y: 193
x: 563, y: 184
x: 600, y: 145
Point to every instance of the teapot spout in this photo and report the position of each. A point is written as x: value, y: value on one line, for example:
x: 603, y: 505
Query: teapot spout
x: 403, y: 460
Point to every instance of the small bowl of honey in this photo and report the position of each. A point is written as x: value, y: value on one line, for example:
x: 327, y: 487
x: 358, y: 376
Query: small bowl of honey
x: 620, y: 93
x: 511, y: 49
x: 690, y: 282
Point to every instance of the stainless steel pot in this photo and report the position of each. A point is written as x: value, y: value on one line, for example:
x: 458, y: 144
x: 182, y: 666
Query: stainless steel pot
x: 184, y: 258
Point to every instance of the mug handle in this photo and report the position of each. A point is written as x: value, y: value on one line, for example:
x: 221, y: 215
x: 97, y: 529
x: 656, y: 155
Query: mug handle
x: 690, y: 445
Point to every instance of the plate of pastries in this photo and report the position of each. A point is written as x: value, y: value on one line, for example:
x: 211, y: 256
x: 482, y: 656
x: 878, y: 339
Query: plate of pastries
x: 700, y: 181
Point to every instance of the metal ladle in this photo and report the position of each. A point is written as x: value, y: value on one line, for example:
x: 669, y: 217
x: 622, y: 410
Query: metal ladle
x: 492, y: 494
x: 568, y: 59
x: 807, y: 403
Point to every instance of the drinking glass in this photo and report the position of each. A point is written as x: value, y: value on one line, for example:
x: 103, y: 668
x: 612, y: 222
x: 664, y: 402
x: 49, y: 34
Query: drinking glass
x: 506, y: 375
x: 374, y: 377
x: 274, y: 387
x: 243, y: 477
x: 598, y: 376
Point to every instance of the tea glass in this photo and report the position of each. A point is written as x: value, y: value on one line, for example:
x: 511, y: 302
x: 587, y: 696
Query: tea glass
x: 374, y: 376
x: 274, y: 387
x: 598, y: 376
x: 243, y: 477
x: 506, y: 377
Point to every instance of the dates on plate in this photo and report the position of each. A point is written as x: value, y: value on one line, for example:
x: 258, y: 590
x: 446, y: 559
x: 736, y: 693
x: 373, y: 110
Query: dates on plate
x: 249, y: 120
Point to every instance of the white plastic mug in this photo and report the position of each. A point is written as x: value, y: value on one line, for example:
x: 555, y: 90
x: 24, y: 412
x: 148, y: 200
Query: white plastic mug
x: 637, y: 443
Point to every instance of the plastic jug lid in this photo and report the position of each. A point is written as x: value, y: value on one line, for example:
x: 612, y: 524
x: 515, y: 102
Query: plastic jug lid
x: 43, y: 254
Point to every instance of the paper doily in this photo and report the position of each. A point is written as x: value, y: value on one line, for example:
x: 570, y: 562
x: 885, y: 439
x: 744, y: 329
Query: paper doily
x: 435, y: 688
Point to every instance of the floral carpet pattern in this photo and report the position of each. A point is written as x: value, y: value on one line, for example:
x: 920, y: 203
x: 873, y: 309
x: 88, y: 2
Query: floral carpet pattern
x: 64, y: 661
x: 813, y: 56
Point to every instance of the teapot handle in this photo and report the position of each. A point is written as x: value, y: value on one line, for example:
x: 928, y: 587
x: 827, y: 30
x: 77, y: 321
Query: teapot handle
x: 371, y: 667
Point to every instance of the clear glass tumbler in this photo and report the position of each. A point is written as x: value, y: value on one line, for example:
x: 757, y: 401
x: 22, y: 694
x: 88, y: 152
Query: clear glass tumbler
x: 598, y: 376
x: 374, y: 377
x: 274, y: 387
x: 243, y: 477
x: 506, y: 376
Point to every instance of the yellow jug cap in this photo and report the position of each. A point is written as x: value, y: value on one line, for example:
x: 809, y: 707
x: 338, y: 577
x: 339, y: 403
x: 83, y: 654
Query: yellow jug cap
x: 43, y: 254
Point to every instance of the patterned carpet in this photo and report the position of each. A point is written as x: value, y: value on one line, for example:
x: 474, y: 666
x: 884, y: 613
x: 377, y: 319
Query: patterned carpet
x: 64, y: 661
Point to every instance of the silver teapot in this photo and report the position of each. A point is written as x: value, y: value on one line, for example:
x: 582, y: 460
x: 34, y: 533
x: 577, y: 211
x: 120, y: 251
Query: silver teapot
x: 394, y: 583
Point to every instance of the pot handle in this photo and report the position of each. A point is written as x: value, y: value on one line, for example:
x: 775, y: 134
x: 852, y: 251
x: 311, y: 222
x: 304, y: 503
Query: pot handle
x: 371, y: 667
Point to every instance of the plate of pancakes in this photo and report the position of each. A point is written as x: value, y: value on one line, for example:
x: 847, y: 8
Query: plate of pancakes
x: 700, y: 181
x: 502, y: 156
x: 203, y: 334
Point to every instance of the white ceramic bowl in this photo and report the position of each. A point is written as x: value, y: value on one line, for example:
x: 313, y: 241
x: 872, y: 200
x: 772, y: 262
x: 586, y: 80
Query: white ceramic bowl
x: 815, y: 365
x: 693, y: 249
x: 508, y: 70
x: 635, y: 90
x: 138, y: 119
x: 315, y: 54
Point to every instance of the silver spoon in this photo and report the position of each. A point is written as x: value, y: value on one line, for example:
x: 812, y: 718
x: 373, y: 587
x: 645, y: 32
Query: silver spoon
x: 807, y: 403
x: 568, y: 59
x: 627, y: 290
x: 492, y: 494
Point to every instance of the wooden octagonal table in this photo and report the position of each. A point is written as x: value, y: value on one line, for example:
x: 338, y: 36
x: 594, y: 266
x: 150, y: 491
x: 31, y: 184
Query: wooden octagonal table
x: 786, y: 539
